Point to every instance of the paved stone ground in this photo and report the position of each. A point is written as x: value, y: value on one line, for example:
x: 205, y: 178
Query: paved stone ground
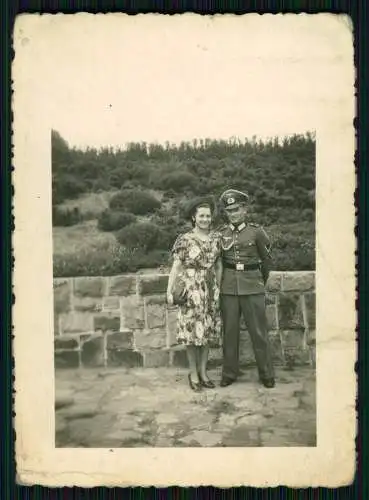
x: 155, y: 407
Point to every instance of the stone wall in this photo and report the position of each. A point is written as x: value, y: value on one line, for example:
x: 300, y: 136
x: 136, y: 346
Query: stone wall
x: 124, y: 321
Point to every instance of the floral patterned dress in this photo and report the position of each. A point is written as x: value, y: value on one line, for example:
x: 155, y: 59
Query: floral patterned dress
x: 199, y: 320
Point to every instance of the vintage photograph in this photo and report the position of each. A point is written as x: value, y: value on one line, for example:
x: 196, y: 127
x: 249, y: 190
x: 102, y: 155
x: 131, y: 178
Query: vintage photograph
x: 185, y: 275
x: 184, y: 292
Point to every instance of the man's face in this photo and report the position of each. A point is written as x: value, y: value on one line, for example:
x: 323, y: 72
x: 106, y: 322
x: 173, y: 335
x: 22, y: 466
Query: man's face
x: 236, y: 214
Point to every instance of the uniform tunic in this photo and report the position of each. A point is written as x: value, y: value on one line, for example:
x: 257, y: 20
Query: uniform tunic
x: 199, y: 321
x: 247, y: 244
x: 243, y: 292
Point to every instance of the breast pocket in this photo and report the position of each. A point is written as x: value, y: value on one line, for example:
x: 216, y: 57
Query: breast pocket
x: 250, y: 250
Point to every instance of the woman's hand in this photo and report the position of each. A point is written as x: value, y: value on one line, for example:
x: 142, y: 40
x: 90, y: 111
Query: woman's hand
x: 169, y: 298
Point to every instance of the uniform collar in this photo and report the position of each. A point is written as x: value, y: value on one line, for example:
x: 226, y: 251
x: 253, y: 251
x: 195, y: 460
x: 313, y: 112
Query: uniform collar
x: 239, y: 227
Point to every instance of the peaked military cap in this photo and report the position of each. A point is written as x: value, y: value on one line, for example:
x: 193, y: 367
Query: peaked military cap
x: 233, y: 197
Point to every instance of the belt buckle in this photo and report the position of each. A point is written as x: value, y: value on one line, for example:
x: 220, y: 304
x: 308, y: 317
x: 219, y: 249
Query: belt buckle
x: 240, y: 267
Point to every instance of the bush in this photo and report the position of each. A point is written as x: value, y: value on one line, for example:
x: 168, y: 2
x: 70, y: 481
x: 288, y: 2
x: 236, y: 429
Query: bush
x: 177, y: 182
x: 135, y: 201
x: 106, y: 260
x: 66, y: 186
x: 113, y: 220
x: 142, y: 235
x: 65, y: 217
x: 292, y: 252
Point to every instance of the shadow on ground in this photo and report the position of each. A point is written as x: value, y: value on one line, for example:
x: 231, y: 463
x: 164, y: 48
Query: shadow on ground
x: 156, y: 408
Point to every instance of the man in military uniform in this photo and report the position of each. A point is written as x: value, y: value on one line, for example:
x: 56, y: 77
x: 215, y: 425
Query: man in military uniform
x: 246, y: 265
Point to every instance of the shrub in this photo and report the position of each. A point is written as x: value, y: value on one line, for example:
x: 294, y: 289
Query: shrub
x: 292, y: 252
x: 66, y: 186
x: 142, y: 235
x: 178, y: 181
x: 106, y: 260
x: 65, y: 217
x: 135, y: 201
x: 113, y: 220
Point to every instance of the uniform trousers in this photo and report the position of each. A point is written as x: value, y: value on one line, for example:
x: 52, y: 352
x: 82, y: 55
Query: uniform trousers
x: 252, y: 308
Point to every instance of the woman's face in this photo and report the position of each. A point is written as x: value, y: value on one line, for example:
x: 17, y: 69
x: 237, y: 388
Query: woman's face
x: 202, y: 217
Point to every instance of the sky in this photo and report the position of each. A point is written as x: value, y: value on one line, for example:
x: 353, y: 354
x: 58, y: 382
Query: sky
x: 109, y: 80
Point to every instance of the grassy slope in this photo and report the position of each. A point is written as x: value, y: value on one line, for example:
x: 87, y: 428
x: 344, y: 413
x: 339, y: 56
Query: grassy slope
x: 86, y: 236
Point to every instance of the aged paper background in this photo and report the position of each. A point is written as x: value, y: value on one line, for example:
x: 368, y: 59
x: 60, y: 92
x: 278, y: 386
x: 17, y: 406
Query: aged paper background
x: 232, y: 75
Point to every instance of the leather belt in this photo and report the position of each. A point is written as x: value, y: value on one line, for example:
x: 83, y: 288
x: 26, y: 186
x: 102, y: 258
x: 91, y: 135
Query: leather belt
x: 241, y: 267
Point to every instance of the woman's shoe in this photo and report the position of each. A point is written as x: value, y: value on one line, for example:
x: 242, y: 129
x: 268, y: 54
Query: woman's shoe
x: 195, y: 386
x: 209, y: 384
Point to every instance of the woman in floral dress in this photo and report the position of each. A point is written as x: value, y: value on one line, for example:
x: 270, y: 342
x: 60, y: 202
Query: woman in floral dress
x: 197, y: 261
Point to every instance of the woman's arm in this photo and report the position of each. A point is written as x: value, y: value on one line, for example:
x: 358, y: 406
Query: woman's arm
x: 219, y: 270
x: 176, y: 269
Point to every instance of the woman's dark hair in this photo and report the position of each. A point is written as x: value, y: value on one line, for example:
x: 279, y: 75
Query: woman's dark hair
x: 193, y: 211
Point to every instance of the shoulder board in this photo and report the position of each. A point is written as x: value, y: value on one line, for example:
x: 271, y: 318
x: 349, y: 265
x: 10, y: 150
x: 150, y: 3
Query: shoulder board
x: 253, y: 224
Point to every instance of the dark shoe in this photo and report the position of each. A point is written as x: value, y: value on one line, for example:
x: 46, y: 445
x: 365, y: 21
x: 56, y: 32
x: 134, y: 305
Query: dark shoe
x: 226, y: 381
x: 195, y: 386
x: 269, y: 383
x: 209, y: 384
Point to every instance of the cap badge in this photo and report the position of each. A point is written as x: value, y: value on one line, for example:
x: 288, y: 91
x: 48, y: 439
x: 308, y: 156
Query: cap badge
x: 230, y: 201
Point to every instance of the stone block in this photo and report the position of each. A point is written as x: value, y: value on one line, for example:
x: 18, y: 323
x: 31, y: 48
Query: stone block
x: 156, y: 299
x: 88, y: 336
x: 107, y: 322
x: 122, y: 285
x: 62, y: 294
x: 274, y: 282
x: 156, y: 315
x: 296, y: 357
x: 292, y: 339
x: 66, y: 343
x: 293, y: 348
x: 153, y: 359
x: 120, y: 341
x: 247, y: 357
x: 290, y: 313
x: 87, y: 304
x: 179, y: 358
x: 89, y: 287
x: 92, y: 353
x: 125, y: 358
x: 310, y: 302
x: 311, y: 338
x: 153, y: 285
x: 151, y: 339
x: 111, y: 304
x: 172, y: 316
x: 66, y: 359
x: 312, y: 352
x: 300, y: 281
x: 271, y: 314
x: 132, y: 311
x: 276, y: 347
x: 76, y: 322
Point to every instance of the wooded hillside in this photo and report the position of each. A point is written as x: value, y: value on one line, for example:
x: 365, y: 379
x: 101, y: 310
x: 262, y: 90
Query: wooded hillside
x: 130, y: 200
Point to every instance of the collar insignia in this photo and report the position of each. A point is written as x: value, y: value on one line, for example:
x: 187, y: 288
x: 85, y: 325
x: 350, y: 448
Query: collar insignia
x: 239, y: 228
